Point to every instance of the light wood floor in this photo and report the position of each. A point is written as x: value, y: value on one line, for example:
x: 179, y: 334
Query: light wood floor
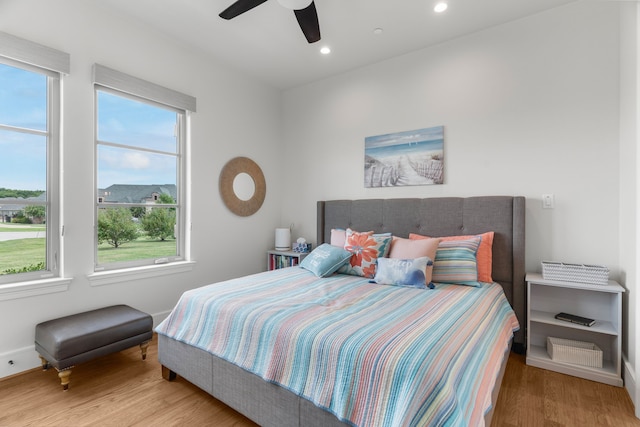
x: 123, y: 390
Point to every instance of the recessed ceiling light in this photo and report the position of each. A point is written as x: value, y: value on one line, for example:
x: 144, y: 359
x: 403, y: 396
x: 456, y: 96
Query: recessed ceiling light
x: 378, y: 31
x: 440, y: 7
x: 325, y: 50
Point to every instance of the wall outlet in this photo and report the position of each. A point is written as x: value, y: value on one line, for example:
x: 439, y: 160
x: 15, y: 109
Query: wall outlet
x: 548, y: 201
x: 19, y: 360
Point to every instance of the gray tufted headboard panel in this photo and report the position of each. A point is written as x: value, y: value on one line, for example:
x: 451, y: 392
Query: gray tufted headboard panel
x: 445, y: 216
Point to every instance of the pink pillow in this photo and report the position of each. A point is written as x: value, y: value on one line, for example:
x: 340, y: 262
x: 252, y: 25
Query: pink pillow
x: 338, y: 237
x: 417, y: 248
x: 484, y: 256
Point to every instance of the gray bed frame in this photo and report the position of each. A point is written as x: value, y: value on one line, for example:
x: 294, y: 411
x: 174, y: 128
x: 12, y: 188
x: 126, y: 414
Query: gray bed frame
x: 270, y: 405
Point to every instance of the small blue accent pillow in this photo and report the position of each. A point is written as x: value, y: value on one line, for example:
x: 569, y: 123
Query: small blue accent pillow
x: 402, y: 272
x: 324, y: 260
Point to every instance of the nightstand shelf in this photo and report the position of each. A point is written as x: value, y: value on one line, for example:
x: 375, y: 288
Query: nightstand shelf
x: 546, y: 298
x: 280, y: 259
x: 607, y: 374
x: 601, y: 326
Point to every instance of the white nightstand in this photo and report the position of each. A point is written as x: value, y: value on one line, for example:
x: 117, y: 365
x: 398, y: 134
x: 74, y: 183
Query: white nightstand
x: 546, y: 298
x: 280, y: 259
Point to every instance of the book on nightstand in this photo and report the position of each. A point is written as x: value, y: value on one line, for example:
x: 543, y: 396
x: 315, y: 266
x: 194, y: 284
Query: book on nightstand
x: 585, y: 321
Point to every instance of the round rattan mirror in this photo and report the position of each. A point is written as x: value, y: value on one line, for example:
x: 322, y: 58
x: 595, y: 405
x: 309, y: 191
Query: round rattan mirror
x: 237, y: 205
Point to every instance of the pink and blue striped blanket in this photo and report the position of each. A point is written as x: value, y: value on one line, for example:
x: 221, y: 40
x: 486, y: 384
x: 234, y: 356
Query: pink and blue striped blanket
x: 373, y: 355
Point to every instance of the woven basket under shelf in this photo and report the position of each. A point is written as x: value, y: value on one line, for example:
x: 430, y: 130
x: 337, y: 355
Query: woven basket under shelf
x: 577, y: 352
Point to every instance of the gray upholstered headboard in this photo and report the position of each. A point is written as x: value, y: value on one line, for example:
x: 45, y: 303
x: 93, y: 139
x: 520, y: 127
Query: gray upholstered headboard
x: 445, y: 216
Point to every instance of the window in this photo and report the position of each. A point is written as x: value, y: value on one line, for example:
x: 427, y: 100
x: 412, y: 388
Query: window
x: 140, y: 172
x: 29, y: 159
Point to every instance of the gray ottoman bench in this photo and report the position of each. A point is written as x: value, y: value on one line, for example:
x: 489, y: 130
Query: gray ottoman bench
x: 64, y: 342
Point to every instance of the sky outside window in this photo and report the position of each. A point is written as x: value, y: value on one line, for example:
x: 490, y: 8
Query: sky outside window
x: 138, y: 126
x: 23, y: 104
x: 23, y: 98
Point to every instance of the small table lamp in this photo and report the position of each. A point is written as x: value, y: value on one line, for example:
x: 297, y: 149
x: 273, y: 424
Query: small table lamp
x: 283, y: 239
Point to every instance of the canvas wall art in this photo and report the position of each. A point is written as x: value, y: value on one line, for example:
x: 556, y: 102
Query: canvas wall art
x: 404, y: 158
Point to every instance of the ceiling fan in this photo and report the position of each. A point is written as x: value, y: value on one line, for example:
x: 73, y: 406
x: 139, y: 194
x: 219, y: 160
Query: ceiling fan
x: 305, y: 11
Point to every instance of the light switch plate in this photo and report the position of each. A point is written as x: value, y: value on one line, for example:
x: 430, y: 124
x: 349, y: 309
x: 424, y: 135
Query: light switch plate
x: 548, y: 201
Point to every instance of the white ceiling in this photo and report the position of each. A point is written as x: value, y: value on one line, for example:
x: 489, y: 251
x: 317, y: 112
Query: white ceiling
x: 267, y: 43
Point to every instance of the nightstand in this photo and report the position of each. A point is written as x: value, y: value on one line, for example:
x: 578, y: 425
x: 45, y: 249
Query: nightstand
x: 546, y: 298
x: 280, y: 259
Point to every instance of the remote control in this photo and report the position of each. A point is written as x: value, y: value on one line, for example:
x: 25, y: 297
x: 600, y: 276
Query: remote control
x: 575, y: 319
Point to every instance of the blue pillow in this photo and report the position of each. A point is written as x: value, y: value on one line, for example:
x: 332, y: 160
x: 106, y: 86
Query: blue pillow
x: 402, y: 272
x: 324, y: 260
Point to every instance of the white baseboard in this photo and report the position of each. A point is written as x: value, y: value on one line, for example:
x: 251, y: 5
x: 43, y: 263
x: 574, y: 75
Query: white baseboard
x: 19, y: 360
x: 26, y: 358
x: 159, y: 317
x: 630, y: 383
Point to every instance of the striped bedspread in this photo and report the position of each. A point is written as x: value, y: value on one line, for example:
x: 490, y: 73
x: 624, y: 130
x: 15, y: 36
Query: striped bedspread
x: 373, y: 355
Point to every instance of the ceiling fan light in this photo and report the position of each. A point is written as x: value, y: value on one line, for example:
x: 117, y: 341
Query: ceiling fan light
x: 295, y: 4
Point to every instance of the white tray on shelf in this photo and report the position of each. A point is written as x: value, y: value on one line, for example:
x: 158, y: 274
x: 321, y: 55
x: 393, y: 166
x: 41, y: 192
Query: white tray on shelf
x: 581, y: 273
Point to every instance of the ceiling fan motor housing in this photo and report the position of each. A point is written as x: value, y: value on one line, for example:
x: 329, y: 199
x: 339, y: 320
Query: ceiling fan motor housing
x: 295, y: 4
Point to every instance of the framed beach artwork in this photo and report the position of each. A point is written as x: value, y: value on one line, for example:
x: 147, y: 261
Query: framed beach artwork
x: 404, y: 158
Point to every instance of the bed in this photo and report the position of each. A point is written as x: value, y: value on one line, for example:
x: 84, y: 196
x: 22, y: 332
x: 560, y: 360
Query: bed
x: 346, y: 372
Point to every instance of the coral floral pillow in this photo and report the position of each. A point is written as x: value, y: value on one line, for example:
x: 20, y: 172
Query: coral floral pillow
x: 484, y: 255
x: 365, y: 248
x: 339, y: 236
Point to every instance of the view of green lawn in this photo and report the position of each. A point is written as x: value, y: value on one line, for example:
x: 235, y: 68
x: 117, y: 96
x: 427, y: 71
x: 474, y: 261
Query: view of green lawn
x: 21, y: 253
x: 17, y: 254
x: 141, y: 248
x: 22, y: 228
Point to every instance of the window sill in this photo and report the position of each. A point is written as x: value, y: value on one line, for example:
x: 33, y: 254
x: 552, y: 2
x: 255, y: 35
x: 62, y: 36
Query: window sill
x: 33, y: 288
x: 118, y: 276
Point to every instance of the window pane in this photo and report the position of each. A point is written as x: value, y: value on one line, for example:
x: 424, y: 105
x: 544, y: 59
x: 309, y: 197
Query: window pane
x: 138, y: 163
x: 23, y: 232
x: 23, y: 98
x: 120, y: 166
x: 23, y: 161
x: 132, y: 234
x: 23, y: 175
x: 127, y: 122
x: 29, y: 98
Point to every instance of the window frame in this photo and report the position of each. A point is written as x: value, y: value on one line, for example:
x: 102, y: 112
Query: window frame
x: 52, y: 133
x: 115, y: 83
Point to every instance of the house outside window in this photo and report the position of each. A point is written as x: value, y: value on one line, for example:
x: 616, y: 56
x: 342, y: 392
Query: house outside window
x: 30, y: 220
x: 140, y: 173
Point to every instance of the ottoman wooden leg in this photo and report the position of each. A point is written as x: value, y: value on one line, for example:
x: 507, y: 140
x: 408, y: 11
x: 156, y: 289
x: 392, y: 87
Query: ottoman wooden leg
x: 45, y: 363
x: 143, y: 349
x: 65, y: 379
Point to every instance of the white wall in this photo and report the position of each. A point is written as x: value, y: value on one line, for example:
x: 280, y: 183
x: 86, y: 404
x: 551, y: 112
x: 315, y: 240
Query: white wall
x: 629, y: 183
x: 530, y: 107
x: 223, y: 245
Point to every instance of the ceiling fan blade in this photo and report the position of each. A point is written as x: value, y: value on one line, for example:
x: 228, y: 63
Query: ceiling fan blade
x: 240, y: 7
x: 308, y: 20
